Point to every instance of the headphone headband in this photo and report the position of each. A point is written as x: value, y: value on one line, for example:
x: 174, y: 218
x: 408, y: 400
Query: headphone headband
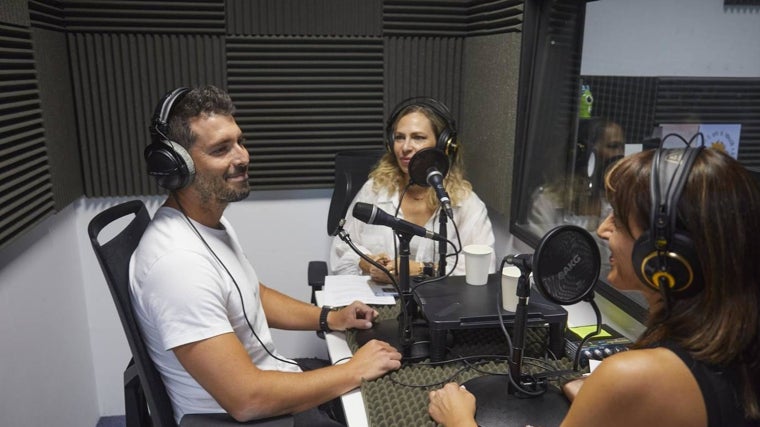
x: 670, y: 171
x: 665, y: 257
x: 160, y: 121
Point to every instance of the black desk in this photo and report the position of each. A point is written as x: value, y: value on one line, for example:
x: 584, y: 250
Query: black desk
x: 451, y: 304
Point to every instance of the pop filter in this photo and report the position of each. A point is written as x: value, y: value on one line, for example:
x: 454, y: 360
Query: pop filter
x: 566, y: 264
x: 423, y: 160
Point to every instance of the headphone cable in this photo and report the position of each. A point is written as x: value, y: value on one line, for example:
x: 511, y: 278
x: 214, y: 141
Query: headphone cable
x: 240, y: 293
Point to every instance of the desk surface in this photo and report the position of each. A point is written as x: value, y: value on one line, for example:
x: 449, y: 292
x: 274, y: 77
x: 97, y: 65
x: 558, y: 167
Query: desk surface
x: 400, y: 398
x: 338, y: 349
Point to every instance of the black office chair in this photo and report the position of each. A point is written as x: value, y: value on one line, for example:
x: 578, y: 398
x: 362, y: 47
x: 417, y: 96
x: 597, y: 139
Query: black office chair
x: 145, y: 398
x: 352, y: 168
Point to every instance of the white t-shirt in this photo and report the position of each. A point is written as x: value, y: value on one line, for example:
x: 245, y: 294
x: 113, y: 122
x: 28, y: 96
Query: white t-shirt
x: 470, y: 216
x: 182, y: 294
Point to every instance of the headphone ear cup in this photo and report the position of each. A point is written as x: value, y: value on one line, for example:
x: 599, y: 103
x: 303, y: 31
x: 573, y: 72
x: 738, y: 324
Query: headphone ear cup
x: 166, y: 160
x: 170, y: 164
x: 447, y: 142
x: 682, y: 273
x: 642, y: 250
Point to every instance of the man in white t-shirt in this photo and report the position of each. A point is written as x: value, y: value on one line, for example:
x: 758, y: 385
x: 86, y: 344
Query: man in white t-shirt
x: 202, y: 310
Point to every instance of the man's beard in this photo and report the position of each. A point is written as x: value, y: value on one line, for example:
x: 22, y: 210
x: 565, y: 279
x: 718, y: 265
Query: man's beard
x: 214, y: 189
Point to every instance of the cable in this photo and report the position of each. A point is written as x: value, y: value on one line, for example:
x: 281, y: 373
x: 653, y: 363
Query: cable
x: 456, y: 253
x: 512, y: 381
x: 433, y: 384
x: 346, y: 237
x: 240, y: 293
x: 598, y: 314
x: 688, y: 143
x: 337, y: 362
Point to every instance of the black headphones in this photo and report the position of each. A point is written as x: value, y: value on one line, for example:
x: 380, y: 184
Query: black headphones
x: 447, y: 139
x: 168, y: 161
x: 591, y: 133
x: 664, y: 257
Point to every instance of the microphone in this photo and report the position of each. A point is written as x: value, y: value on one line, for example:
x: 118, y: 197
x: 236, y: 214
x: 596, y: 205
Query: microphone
x: 371, y: 214
x: 428, y: 167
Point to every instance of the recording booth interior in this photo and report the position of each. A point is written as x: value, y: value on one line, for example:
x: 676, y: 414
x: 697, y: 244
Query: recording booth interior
x: 638, y: 102
x: 79, y: 92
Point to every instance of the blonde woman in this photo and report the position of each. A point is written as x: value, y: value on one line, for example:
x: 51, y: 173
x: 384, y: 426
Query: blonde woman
x: 414, y: 125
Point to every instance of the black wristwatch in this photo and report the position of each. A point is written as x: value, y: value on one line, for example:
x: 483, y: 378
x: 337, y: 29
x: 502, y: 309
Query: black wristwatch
x: 323, y: 326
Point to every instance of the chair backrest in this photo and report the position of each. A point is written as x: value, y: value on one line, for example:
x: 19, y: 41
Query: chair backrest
x: 351, y: 170
x: 114, y: 256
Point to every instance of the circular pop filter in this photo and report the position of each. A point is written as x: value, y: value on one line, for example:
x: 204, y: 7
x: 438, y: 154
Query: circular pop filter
x: 566, y: 264
x: 423, y: 160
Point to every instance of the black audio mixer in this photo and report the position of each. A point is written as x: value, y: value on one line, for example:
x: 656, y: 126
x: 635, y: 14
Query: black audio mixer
x: 606, y: 343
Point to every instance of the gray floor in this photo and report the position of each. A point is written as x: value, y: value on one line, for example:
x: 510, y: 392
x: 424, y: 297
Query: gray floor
x: 116, y: 421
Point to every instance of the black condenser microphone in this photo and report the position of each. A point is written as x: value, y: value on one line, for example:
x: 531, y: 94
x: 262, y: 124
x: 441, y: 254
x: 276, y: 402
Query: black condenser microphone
x: 428, y: 167
x: 371, y: 214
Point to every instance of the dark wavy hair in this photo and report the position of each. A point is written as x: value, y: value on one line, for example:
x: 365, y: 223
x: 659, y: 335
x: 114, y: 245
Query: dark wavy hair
x: 202, y: 101
x: 720, y: 209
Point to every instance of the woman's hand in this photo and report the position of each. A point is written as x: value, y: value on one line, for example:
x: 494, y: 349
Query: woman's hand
x: 377, y: 274
x: 452, y: 406
x: 571, y: 388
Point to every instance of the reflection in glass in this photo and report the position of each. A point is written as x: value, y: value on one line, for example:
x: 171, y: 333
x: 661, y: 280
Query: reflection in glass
x: 606, y: 75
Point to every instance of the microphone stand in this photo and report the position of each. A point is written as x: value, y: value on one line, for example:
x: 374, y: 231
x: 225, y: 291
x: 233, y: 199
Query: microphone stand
x: 442, y: 221
x: 408, y: 305
x: 401, y: 332
x: 519, y: 399
x: 521, y: 314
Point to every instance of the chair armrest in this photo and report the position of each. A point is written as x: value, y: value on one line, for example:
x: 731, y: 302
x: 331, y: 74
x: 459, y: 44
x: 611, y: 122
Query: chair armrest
x: 225, y: 420
x: 317, y: 273
x: 316, y: 277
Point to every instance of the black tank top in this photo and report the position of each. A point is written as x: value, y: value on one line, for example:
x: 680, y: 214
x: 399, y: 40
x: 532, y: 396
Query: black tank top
x: 720, y: 390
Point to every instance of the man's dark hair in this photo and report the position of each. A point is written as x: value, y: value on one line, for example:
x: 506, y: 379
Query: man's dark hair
x: 202, y: 101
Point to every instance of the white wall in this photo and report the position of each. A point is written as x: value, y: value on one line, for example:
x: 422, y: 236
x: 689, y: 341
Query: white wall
x: 697, y: 38
x: 46, y: 366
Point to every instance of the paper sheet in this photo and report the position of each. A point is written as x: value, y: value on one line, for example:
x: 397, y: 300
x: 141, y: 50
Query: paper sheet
x: 342, y: 290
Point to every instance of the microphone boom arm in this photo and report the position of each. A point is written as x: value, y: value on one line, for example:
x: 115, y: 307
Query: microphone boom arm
x: 408, y: 306
x: 343, y: 234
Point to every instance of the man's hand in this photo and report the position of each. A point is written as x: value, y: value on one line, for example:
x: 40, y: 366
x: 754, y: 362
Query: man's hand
x: 374, y: 359
x: 357, y: 315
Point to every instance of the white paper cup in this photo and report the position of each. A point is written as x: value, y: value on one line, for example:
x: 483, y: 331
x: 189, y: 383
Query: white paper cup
x: 477, y: 260
x: 509, y: 276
